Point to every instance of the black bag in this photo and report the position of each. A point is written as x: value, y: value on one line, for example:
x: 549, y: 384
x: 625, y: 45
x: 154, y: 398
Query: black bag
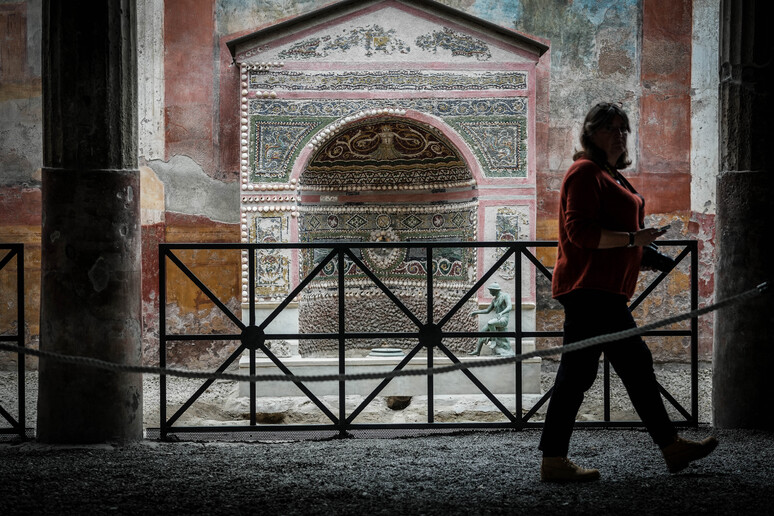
x: 653, y: 259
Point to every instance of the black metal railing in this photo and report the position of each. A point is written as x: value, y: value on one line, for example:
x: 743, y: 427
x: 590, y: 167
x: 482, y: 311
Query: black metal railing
x: 429, y: 336
x: 17, y: 424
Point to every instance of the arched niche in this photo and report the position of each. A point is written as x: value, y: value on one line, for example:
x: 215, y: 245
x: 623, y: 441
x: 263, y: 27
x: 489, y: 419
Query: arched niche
x: 385, y: 177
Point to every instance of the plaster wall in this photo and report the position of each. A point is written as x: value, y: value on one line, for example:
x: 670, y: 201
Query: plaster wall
x: 150, y: 68
x: 656, y: 57
x: 704, y: 106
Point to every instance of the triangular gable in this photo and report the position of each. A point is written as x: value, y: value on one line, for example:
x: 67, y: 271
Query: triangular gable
x: 375, y: 31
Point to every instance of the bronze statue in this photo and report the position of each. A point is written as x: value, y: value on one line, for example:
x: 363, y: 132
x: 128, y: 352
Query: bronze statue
x: 501, y: 305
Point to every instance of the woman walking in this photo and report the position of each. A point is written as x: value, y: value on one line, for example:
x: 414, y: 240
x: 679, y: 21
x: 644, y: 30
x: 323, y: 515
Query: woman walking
x: 601, y: 236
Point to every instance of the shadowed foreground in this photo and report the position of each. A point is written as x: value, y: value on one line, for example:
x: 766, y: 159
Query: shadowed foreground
x: 477, y: 473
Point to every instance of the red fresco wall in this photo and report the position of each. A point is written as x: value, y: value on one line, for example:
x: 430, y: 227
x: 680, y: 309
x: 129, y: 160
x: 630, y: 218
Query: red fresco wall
x: 189, y: 68
x: 201, y: 103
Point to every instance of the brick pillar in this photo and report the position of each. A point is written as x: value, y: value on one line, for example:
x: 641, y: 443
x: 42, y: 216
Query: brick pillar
x: 743, y: 352
x: 91, y: 266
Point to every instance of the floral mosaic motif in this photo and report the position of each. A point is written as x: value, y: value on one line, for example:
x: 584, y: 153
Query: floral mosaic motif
x: 501, y: 144
x: 274, y: 144
x: 356, y: 221
x: 459, y: 219
x: 510, y: 225
x: 272, y: 267
x: 371, y: 38
x: 412, y: 221
x: 459, y: 44
x: 391, y: 80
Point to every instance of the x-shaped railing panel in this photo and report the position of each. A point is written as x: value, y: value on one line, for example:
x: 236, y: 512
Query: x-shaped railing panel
x: 429, y: 334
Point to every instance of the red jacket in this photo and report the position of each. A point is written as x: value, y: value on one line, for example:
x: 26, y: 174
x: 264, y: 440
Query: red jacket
x: 590, y: 200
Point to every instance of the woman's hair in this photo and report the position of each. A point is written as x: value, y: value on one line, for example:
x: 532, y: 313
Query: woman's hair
x: 598, y: 117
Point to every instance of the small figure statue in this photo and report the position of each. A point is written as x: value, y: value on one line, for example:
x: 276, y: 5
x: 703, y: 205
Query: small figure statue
x: 501, y: 305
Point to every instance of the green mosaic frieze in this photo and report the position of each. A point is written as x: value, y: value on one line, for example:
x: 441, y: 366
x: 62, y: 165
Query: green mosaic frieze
x: 395, y: 80
x: 337, y: 108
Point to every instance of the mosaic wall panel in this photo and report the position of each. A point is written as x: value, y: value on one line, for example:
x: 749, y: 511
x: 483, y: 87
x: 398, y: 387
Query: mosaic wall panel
x: 451, y: 222
x: 272, y: 266
x: 511, y: 224
x: 501, y: 144
x: 274, y: 144
x: 280, y: 129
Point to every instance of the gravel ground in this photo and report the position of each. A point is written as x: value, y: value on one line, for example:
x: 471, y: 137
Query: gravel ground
x: 476, y: 473
x: 462, y: 473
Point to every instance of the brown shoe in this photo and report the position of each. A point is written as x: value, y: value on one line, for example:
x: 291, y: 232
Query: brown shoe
x: 682, y: 452
x: 562, y: 469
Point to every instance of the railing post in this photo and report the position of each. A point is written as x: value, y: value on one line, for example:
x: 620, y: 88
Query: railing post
x: 519, y: 335
x: 20, y: 361
x: 251, y: 323
x: 162, y: 340
x: 342, y: 345
x: 430, y: 384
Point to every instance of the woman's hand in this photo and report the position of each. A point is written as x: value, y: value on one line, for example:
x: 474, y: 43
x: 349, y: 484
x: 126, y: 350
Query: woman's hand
x: 647, y: 236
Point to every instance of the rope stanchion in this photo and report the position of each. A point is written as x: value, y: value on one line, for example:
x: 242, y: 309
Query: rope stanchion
x: 594, y: 341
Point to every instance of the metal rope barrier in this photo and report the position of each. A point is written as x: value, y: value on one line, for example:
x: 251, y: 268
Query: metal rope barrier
x: 593, y: 341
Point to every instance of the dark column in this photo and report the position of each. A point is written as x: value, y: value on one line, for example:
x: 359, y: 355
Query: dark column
x: 91, y: 267
x: 743, y: 357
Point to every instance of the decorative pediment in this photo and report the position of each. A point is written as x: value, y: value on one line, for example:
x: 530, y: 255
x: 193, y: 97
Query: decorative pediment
x: 387, y: 31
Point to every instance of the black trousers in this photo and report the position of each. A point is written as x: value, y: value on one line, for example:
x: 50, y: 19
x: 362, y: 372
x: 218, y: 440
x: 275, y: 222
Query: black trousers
x: 589, y: 313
